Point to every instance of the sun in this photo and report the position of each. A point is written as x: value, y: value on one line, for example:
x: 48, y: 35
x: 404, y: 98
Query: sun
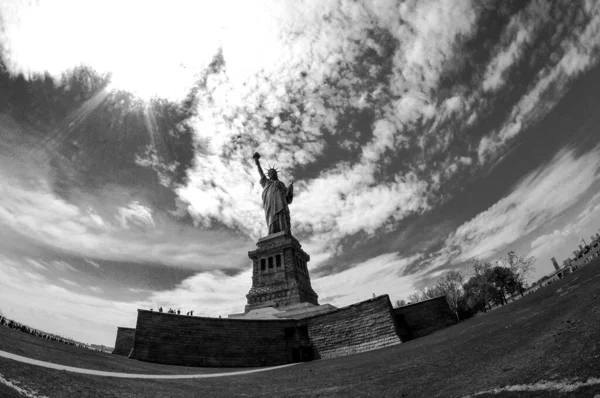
x: 148, y: 47
x: 146, y: 83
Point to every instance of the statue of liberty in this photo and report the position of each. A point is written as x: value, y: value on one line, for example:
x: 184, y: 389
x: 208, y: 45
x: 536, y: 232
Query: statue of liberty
x: 276, y: 197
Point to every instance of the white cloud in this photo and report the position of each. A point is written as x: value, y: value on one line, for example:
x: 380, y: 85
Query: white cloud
x: 263, y: 81
x: 94, y: 217
x: 92, y: 262
x: 150, y: 158
x: 32, y: 299
x: 579, y: 53
x: 62, y: 266
x: 537, y: 199
x: 379, y: 275
x: 135, y: 214
x: 466, y: 160
x: 259, y: 80
x: 518, y: 34
x: 544, y: 246
x: 550, y: 244
x: 214, y: 294
x: 36, y: 264
x: 346, y: 201
x: 135, y: 290
x: 207, y: 294
x: 494, y: 75
x: 96, y: 289
x: 427, y: 31
x: 68, y: 282
x: 30, y: 208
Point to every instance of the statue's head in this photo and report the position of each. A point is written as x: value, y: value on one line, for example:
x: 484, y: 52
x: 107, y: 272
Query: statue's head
x: 272, y: 174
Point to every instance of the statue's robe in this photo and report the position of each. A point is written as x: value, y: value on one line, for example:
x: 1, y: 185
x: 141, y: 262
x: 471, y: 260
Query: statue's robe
x: 276, y: 198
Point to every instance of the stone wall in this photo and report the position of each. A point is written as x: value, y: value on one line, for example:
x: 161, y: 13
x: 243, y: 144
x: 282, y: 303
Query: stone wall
x: 124, y: 341
x: 197, y: 341
x: 360, y: 327
x: 221, y: 342
x: 423, y: 318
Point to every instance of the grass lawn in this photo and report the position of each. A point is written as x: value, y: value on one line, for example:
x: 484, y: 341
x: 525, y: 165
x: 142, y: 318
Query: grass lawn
x: 552, y: 335
x: 51, y: 351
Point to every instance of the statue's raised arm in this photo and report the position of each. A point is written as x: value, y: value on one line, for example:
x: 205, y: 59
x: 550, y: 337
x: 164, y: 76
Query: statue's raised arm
x: 276, y: 197
x: 256, y: 157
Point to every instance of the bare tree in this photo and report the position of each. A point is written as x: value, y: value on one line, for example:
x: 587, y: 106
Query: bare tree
x: 521, y: 267
x: 450, y: 283
x: 399, y: 303
x: 430, y: 292
x: 414, y: 297
x: 426, y: 293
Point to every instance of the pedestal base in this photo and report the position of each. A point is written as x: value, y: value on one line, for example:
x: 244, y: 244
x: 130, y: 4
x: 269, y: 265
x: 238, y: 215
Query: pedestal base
x: 280, y: 274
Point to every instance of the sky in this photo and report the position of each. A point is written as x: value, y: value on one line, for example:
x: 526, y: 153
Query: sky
x: 418, y: 134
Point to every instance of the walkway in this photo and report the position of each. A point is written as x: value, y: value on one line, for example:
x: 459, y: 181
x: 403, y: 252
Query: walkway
x: 51, y: 365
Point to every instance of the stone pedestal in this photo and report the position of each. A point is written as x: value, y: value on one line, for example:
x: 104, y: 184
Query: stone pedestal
x: 280, y: 274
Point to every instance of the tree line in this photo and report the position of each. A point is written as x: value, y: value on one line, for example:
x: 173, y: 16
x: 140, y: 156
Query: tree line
x: 483, y: 284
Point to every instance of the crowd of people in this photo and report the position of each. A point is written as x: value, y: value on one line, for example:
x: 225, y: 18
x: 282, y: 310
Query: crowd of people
x: 38, y: 333
x: 172, y: 311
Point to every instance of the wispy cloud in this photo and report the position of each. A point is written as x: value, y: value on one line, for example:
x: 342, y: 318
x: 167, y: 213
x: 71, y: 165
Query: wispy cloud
x: 92, y: 262
x: 207, y: 294
x: 34, y: 212
x: 306, y: 99
x: 135, y: 214
x: 36, y: 264
x: 380, y: 275
x: 537, y: 199
x: 96, y: 289
x: 214, y: 294
x: 516, y: 37
x: 68, y: 282
x: 135, y: 290
x: 63, y: 266
x: 40, y: 303
x: 576, y: 54
x: 290, y: 101
x: 548, y: 245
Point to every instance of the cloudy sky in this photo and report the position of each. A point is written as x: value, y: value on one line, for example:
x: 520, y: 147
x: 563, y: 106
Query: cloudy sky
x: 419, y: 135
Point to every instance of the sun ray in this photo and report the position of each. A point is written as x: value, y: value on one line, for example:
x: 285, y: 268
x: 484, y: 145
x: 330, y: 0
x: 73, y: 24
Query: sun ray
x: 151, y: 125
x: 75, y: 118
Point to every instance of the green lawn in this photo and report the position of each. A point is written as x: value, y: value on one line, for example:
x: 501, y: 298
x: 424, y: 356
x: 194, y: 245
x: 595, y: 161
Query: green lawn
x: 550, y: 335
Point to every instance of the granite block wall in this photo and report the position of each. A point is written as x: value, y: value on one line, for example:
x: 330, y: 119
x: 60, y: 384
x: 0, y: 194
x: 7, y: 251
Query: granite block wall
x: 360, y: 327
x: 423, y: 318
x: 124, y: 341
x: 225, y: 342
x: 217, y: 342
